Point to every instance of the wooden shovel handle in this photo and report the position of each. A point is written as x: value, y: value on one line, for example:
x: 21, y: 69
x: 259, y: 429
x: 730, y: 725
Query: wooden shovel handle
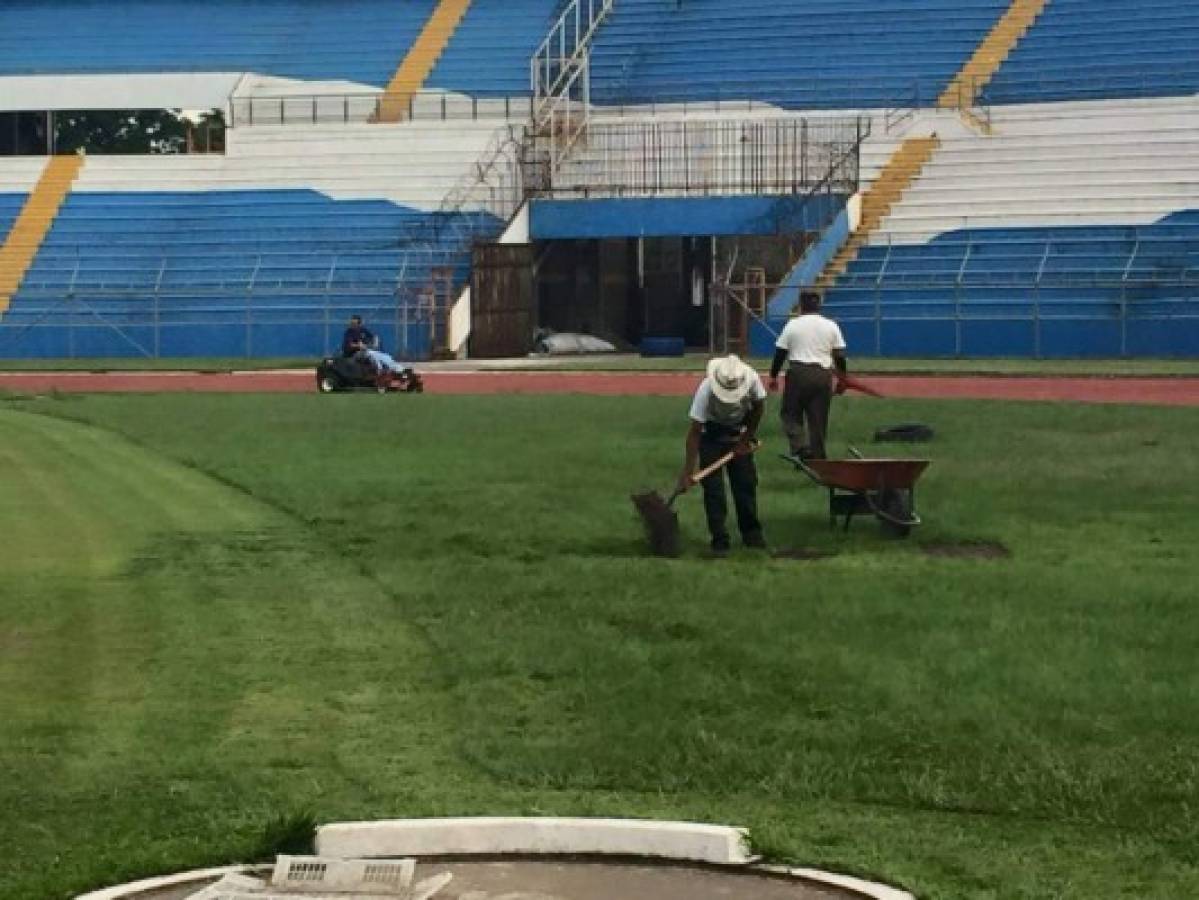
x: 719, y: 464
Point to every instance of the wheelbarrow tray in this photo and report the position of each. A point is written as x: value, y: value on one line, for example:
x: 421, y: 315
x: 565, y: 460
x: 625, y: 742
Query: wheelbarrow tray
x: 885, y: 488
x: 862, y: 475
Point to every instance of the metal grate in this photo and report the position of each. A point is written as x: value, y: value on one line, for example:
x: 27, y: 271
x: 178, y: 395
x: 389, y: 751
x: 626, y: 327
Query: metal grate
x: 298, y: 875
x: 306, y: 872
x: 387, y: 873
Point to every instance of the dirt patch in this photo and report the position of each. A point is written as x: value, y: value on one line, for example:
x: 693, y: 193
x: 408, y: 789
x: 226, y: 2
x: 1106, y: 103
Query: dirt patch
x: 966, y: 550
x: 802, y: 553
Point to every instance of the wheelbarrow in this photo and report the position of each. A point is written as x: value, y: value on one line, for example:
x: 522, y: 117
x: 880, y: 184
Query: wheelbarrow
x: 886, y: 488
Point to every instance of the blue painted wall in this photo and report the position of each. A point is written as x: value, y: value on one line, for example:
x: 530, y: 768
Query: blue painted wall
x: 680, y: 216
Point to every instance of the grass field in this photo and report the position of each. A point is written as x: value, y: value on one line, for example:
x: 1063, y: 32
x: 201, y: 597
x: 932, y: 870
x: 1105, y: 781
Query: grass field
x: 217, y: 610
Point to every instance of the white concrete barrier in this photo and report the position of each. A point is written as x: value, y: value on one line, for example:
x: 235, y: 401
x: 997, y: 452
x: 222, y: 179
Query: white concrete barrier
x: 685, y: 841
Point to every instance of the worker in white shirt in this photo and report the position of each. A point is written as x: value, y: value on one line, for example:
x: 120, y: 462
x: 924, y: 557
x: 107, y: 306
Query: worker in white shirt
x: 814, y: 348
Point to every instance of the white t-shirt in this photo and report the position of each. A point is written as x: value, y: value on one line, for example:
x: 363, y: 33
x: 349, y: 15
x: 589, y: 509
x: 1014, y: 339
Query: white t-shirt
x: 811, y: 338
x: 705, y: 407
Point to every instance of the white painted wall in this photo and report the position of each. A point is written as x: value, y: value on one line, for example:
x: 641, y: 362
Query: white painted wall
x: 412, y: 164
x: 19, y: 174
x: 193, y: 90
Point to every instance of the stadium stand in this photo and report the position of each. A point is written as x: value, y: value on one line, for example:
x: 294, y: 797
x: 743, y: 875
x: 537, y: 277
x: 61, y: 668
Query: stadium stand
x: 33, y: 222
x: 295, y: 261
x: 963, y: 91
x: 825, y: 54
x: 352, y: 40
x: 420, y: 59
x: 292, y: 235
x: 1103, y: 49
x: 491, y: 48
x: 1073, y: 231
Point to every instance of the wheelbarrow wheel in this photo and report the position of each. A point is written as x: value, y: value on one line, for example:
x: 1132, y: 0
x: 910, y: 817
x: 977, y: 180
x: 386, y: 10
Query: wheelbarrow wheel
x: 895, y: 512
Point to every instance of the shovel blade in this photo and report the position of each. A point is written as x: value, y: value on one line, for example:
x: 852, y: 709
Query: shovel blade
x: 661, y: 523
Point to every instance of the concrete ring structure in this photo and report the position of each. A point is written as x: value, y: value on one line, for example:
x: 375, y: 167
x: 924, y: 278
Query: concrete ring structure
x: 719, y: 849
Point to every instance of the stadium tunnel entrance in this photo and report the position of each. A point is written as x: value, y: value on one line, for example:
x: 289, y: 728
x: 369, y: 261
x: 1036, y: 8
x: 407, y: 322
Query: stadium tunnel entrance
x: 628, y: 270
x: 628, y: 290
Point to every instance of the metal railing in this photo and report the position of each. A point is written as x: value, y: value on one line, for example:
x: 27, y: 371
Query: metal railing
x: 123, y: 323
x: 1150, y: 280
x: 564, y: 49
x: 969, y: 97
x: 365, y: 106
x: 711, y: 157
x: 560, y: 77
x: 952, y: 312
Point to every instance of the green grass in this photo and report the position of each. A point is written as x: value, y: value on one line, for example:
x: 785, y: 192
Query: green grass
x: 224, y: 613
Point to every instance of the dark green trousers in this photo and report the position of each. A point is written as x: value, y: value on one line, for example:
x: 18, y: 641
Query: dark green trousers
x: 807, y: 399
x: 743, y: 481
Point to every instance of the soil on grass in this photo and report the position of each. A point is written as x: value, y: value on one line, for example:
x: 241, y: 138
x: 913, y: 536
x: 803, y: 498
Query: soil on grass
x: 802, y: 553
x: 966, y: 550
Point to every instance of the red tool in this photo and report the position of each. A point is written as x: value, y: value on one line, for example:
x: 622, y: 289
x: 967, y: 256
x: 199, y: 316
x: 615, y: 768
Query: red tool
x: 856, y: 384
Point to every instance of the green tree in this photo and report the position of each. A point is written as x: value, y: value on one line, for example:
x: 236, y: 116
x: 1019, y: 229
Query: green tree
x: 121, y: 131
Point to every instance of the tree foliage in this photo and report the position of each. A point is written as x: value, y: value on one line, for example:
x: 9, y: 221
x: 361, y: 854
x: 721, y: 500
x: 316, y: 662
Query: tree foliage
x: 122, y: 131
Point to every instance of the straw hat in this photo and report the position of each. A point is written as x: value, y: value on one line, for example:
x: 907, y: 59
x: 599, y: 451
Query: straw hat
x: 731, y: 379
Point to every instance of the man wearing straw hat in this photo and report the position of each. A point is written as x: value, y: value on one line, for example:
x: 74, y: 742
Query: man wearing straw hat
x: 725, y: 414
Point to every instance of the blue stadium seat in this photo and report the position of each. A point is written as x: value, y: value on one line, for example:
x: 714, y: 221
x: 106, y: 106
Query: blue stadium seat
x: 355, y: 40
x: 288, y: 264
x: 819, y: 54
x: 490, y: 51
x: 1103, y: 49
x: 10, y: 208
x: 1068, y: 291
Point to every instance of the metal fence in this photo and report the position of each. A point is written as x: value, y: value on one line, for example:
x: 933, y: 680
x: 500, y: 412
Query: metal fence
x: 1076, y: 315
x: 366, y: 106
x: 711, y: 158
x: 268, y: 322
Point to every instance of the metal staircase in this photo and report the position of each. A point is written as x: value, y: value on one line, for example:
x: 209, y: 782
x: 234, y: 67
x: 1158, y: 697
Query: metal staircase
x: 560, y: 77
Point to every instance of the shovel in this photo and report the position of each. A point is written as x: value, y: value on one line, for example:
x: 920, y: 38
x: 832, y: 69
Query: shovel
x: 660, y: 519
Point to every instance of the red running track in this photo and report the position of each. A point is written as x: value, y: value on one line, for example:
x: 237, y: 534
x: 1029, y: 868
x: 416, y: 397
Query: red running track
x: 1157, y: 391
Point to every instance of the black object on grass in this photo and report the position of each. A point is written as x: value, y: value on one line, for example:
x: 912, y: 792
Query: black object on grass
x: 909, y: 432
x: 661, y: 523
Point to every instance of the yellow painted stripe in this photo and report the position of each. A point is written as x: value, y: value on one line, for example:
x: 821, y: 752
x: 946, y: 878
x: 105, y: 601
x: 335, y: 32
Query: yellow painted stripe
x: 421, y: 58
x: 904, y: 167
x: 34, y: 223
x: 990, y: 54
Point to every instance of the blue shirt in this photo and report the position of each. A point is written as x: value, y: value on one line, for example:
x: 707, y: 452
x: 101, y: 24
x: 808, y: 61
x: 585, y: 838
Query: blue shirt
x: 356, y: 335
